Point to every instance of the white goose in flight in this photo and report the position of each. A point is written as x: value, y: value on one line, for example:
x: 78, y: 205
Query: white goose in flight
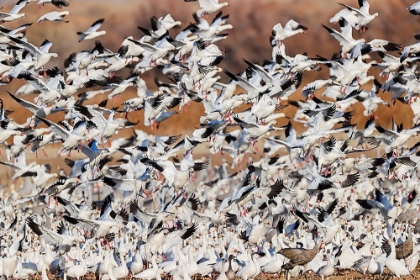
x: 92, y: 32
x: 54, y: 16
x: 208, y: 6
x: 41, y: 54
x: 363, y: 14
x: 291, y: 28
x: 72, y: 138
x: 414, y: 9
x: 14, y: 12
x: 57, y: 3
x: 345, y: 37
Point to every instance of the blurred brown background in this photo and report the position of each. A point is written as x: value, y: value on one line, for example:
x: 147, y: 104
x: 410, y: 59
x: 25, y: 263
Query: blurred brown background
x: 252, y: 21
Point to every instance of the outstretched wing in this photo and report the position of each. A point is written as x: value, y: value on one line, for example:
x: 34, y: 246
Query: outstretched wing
x: 95, y: 26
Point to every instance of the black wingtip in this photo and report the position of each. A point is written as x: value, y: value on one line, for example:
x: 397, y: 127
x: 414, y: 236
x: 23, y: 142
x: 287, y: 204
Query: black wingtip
x: 70, y: 220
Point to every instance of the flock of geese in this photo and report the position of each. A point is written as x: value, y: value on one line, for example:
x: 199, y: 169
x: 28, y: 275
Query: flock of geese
x: 332, y: 198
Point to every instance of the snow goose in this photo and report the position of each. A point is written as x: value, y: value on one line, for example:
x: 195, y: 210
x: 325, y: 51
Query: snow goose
x: 92, y: 32
x: 106, y: 263
x: 7, y: 133
x: 25, y: 269
x: 34, y: 133
x: 395, y: 266
x: 297, y: 67
x: 87, y: 61
x: 14, y: 12
x: 60, y: 185
x: 275, y: 265
x: 388, y: 211
x: 211, y: 32
x: 362, y: 264
x: 78, y: 211
x: 40, y: 175
x: 163, y: 116
x: 102, y: 226
x: 159, y: 50
x: 184, y: 45
x: 349, y: 15
x: 94, y: 154
x: 57, y: 3
x: 107, y: 127
x: 363, y: 14
x: 414, y: 9
x: 38, y: 111
x: 326, y: 270
x: 4, y: 32
x: 413, y: 49
x: 44, y: 268
x: 79, y: 269
x: 122, y: 270
x: 345, y: 37
x: 371, y: 101
x: 54, y: 16
x: 9, y: 265
x: 376, y: 45
x: 222, y: 275
x: 395, y: 138
x: 290, y: 29
x: 252, y: 90
x: 116, y: 63
x: 210, y: 54
x: 121, y: 87
x: 72, y: 138
x: 309, y: 89
x: 323, y: 222
x: 389, y: 65
x: 264, y: 108
x: 254, y: 130
x: 151, y: 273
x: 346, y: 74
x: 282, y: 86
x: 137, y: 264
x: 166, y: 22
x: 267, y: 257
x: 130, y: 49
x: 41, y: 54
x: 109, y: 274
x: 329, y: 153
x: 63, y: 240
x: 156, y: 104
x: 43, y: 140
x: 250, y: 269
x: 374, y: 266
x: 176, y: 237
x: 18, y: 170
x: 155, y: 32
x: 208, y: 6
